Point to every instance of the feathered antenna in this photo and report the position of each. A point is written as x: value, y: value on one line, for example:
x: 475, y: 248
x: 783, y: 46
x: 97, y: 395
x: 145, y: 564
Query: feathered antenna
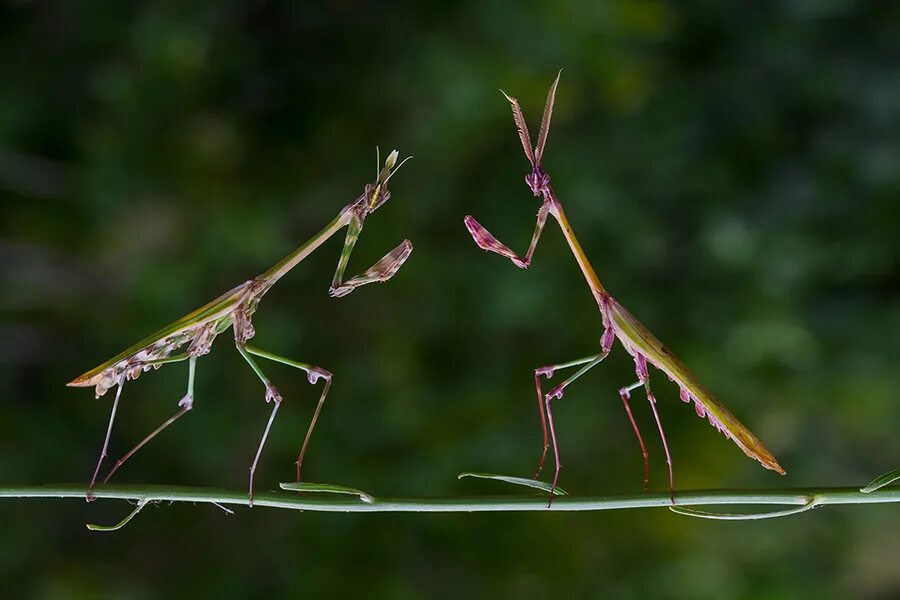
x: 522, y: 128
x: 545, y: 120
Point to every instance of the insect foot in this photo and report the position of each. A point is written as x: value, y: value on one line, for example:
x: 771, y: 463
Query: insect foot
x: 545, y: 371
x: 316, y: 373
x: 187, y: 402
x: 272, y: 393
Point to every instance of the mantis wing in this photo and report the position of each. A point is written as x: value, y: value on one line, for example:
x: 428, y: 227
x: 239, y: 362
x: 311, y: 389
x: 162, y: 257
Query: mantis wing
x: 216, y: 309
x: 638, y: 339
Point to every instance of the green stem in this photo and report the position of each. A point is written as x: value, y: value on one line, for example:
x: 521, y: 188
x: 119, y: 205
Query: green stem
x: 154, y: 493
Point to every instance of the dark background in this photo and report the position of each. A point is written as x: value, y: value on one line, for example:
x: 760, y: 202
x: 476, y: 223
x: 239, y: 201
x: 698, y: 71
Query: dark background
x: 732, y: 170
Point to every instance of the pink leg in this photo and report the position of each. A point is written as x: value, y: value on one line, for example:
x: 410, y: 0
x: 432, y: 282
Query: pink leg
x: 540, y: 397
x: 625, y: 394
x: 589, y: 361
x: 640, y: 363
x: 555, y: 449
x: 112, y: 417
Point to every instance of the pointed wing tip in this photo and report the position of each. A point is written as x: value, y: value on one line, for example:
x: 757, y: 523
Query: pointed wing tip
x: 508, y: 97
x: 84, y: 380
x: 769, y: 462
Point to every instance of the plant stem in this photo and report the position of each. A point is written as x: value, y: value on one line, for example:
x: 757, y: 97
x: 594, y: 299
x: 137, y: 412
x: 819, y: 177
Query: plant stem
x: 295, y: 501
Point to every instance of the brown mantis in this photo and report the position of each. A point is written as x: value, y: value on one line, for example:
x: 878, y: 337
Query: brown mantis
x: 234, y: 309
x: 618, y: 324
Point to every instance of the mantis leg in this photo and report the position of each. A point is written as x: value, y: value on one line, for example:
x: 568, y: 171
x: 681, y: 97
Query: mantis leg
x: 112, y: 417
x: 486, y: 240
x: 382, y: 270
x: 548, y: 372
x: 313, y: 374
x: 640, y: 363
x: 185, y: 404
x: 557, y: 392
x: 625, y: 394
x: 272, y: 395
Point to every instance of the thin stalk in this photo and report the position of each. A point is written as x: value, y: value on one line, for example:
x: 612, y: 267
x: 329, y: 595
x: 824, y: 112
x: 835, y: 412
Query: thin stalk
x: 156, y: 493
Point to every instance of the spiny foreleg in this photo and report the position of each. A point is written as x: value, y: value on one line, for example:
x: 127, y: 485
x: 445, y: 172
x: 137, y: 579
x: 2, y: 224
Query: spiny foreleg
x: 486, y: 240
x: 381, y: 271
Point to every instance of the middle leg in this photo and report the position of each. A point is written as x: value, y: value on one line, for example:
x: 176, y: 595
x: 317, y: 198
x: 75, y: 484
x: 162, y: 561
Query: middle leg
x: 606, y: 343
x: 313, y: 374
x: 557, y: 392
x: 548, y: 371
x: 272, y: 395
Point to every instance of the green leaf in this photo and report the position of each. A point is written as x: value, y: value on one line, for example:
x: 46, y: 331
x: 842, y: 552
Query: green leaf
x: 881, y: 481
x: 702, y: 514
x: 532, y: 483
x: 326, y: 488
x: 140, y: 506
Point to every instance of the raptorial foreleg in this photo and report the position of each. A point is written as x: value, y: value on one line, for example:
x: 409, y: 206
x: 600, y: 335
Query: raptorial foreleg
x: 486, y: 240
x: 381, y: 271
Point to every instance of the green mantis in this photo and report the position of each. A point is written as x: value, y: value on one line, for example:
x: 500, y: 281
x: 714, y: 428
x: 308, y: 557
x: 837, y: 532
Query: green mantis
x: 618, y: 323
x: 234, y: 310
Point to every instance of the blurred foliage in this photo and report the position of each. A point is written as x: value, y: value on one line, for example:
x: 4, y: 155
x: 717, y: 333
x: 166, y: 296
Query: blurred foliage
x: 733, y: 170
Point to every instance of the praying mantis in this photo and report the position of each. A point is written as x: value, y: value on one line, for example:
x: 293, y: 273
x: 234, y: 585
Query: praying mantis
x: 618, y: 324
x: 234, y: 309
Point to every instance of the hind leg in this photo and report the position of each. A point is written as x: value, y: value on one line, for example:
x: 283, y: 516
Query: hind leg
x: 185, y: 404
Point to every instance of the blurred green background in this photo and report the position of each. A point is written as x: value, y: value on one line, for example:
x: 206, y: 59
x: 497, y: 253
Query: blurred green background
x: 732, y: 169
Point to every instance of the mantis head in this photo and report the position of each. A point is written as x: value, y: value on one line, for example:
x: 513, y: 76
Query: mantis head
x: 377, y: 193
x: 538, y: 181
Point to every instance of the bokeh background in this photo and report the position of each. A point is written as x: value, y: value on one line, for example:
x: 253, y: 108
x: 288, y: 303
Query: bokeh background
x: 732, y: 169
